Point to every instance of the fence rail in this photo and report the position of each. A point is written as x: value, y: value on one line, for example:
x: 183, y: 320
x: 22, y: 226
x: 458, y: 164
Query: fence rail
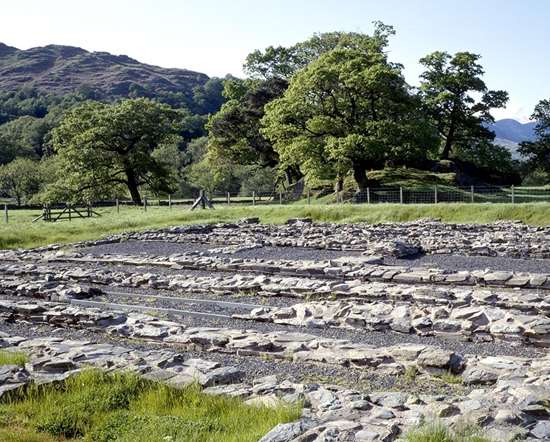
x: 374, y: 195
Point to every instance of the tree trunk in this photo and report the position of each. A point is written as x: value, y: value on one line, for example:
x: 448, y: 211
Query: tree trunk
x: 133, y: 187
x: 450, y: 139
x: 360, y: 175
x: 446, y: 149
x: 339, y: 184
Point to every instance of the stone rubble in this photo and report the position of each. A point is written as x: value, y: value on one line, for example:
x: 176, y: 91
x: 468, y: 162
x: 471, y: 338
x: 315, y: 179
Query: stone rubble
x: 353, y: 269
x: 477, y: 323
x: 514, y: 406
x: 277, y: 344
x: 508, y: 396
x: 510, y: 239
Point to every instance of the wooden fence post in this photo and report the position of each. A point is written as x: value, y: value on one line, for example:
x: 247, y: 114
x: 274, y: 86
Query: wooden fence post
x: 6, y: 218
x: 145, y: 204
x: 280, y: 198
x: 435, y: 195
x: 472, y: 193
x: 368, y: 195
x: 253, y: 197
x: 401, y: 195
x: 228, y: 198
x: 170, y: 201
x: 513, y: 195
x: 308, y: 197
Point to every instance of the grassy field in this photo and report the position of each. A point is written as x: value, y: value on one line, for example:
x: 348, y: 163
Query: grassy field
x: 98, y: 407
x: 21, y: 232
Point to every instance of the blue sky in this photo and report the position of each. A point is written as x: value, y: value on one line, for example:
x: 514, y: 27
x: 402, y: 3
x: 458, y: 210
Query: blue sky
x: 513, y: 36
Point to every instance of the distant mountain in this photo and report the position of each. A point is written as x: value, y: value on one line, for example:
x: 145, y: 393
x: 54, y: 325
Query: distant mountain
x: 66, y: 69
x: 512, y: 130
x: 509, y: 133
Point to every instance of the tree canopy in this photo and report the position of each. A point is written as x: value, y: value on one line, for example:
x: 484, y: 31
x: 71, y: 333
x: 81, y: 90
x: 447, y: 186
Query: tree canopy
x: 538, y: 151
x: 449, y: 86
x: 348, y: 110
x: 20, y: 179
x: 102, y: 147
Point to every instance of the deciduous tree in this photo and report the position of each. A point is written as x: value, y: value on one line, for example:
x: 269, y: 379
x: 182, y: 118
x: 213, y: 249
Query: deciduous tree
x: 20, y: 179
x: 348, y: 110
x: 101, y: 146
x: 458, y: 99
x: 538, y: 151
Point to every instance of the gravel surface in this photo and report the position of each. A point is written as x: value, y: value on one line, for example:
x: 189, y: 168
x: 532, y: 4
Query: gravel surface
x: 253, y: 367
x: 448, y: 262
x: 169, y: 248
x: 378, y: 339
x: 457, y: 262
x: 273, y: 301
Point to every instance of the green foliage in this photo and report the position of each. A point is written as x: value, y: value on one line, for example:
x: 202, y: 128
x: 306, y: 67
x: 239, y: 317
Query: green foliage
x: 21, y: 179
x: 100, y: 407
x: 101, y: 147
x: 448, y: 87
x: 348, y: 110
x: 450, y: 378
x: 234, y: 131
x: 439, y: 432
x: 485, y: 154
x: 13, y: 358
x: 256, y: 179
x: 538, y: 151
x: 283, y: 62
x: 411, y: 177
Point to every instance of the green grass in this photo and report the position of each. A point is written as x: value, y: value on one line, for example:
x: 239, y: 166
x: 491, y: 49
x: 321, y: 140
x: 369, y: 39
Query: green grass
x: 21, y: 232
x: 98, y: 407
x: 12, y: 358
x: 439, y: 432
x: 450, y: 378
x: 409, y: 177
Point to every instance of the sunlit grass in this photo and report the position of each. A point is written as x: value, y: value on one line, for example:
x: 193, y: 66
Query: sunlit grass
x: 21, y: 232
x: 12, y: 358
x: 439, y: 432
x: 99, y: 407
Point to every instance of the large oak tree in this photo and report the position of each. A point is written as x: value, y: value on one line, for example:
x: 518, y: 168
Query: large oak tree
x: 350, y: 110
x: 104, y: 146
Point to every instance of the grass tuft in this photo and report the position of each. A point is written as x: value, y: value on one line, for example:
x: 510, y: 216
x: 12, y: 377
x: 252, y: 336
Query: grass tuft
x: 100, y: 407
x: 439, y: 432
x: 13, y: 358
x: 450, y: 378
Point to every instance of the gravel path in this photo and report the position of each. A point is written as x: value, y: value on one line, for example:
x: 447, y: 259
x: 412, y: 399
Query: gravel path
x: 169, y: 248
x: 253, y: 367
x: 448, y: 262
x: 379, y: 339
x: 457, y: 262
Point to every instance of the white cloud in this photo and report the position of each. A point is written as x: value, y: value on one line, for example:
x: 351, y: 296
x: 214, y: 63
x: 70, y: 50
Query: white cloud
x: 513, y: 110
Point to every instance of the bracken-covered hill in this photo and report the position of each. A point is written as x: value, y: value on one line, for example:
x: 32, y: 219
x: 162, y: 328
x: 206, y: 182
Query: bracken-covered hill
x: 66, y: 69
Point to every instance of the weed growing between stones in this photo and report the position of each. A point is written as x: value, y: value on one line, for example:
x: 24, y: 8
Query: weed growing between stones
x: 12, y: 358
x: 450, y: 378
x: 438, y: 432
x: 101, y: 407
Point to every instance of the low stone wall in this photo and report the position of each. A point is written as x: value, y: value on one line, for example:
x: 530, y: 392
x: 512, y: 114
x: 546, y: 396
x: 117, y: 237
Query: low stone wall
x: 474, y: 322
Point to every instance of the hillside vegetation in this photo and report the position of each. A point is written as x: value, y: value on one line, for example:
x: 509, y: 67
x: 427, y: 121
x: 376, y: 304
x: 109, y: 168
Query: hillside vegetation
x: 62, y: 70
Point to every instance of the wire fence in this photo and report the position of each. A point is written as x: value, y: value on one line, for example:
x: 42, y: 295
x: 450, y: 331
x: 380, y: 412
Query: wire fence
x: 374, y: 195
